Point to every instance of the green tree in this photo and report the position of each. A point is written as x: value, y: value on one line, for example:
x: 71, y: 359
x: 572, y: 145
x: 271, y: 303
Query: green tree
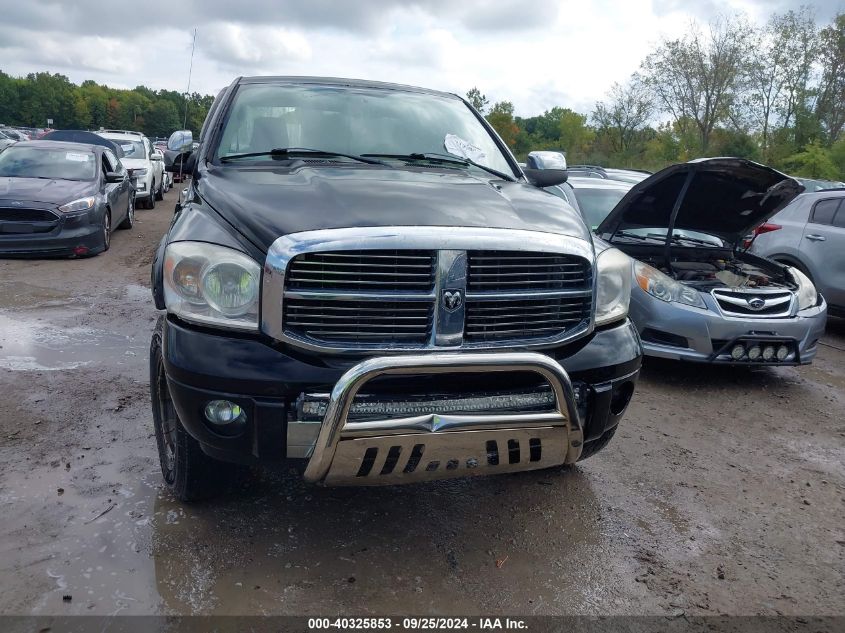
x: 501, y: 118
x: 698, y: 77
x: 477, y: 100
x: 831, y: 102
x: 161, y: 119
x: 814, y: 162
x: 574, y: 135
x: 627, y: 111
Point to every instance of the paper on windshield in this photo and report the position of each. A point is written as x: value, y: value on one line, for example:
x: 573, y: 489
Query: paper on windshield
x: 77, y: 157
x: 460, y: 147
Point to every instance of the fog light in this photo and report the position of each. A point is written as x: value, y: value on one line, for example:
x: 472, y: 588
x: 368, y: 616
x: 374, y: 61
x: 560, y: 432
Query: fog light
x: 754, y: 352
x: 783, y: 352
x: 768, y: 352
x: 80, y: 250
x: 738, y: 351
x: 224, y: 412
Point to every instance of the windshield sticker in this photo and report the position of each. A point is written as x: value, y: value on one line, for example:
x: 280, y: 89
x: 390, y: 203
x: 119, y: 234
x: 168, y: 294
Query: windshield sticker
x: 78, y: 158
x: 459, y: 147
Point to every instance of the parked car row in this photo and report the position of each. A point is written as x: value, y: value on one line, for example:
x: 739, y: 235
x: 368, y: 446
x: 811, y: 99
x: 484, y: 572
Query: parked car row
x: 63, y: 195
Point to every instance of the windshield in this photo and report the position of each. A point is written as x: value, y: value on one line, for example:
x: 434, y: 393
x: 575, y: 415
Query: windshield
x: 31, y: 162
x: 131, y: 149
x: 355, y: 121
x: 596, y: 204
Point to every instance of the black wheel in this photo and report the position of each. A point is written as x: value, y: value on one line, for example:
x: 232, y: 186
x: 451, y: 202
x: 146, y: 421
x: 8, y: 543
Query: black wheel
x: 151, y: 199
x: 129, y: 220
x: 189, y: 473
x: 159, y: 193
x: 106, y: 230
x: 591, y: 448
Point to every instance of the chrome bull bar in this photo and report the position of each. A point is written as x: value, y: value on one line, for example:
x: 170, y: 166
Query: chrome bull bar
x: 348, y: 452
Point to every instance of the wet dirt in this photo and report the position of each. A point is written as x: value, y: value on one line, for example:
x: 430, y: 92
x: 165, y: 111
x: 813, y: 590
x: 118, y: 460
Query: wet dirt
x: 722, y: 493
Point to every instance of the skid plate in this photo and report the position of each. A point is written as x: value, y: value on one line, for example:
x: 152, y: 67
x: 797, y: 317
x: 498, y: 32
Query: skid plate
x: 397, y: 459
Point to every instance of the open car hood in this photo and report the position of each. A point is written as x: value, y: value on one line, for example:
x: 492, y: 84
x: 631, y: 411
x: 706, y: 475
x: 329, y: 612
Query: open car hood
x: 725, y: 197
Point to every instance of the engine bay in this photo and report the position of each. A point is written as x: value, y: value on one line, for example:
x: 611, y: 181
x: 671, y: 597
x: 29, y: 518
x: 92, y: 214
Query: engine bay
x: 727, y: 270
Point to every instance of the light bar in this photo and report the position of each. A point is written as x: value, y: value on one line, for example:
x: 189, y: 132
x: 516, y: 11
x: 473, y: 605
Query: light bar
x: 312, y: 407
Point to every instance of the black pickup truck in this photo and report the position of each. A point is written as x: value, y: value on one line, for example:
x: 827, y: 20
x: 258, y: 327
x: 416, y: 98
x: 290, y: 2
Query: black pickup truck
x: 360, y: 280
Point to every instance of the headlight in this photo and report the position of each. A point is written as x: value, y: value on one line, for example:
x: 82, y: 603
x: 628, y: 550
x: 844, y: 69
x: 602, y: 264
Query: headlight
x: 613, y: 294
x: 83, y: 204
x: 212, y: 284
x: 665, y: 288
x: 139, y: 172
x: 807, y: 295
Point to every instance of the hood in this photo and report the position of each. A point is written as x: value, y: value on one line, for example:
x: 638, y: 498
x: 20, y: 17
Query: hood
x: 56, y: 192
x: 135, y: 163
x: 266, y: 203
x: 725, y: 197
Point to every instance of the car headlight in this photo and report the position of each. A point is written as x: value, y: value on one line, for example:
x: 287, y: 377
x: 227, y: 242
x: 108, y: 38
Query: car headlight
x: 613, y: 293
x: 807, y: 294
x: 83, y: 204
x: 663, y: 287
x: 139, y: 172
x: 211, y: 284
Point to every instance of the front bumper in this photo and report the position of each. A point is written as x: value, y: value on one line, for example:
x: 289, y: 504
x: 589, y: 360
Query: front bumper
x: 266, y: 380
x: 680, y: 332
x: 72, y: 234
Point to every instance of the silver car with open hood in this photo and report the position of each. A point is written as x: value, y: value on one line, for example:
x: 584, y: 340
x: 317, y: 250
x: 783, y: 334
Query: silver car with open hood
x: 697, y: 296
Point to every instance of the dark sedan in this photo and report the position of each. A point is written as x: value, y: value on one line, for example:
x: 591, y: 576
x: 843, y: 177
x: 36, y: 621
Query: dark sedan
x: 61, y: 199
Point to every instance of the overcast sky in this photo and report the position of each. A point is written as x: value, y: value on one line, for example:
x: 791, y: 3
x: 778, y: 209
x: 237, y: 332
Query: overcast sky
x: 535, y: 53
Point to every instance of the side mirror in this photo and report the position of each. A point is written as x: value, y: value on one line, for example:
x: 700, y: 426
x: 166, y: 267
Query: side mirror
x: 546, y: 160
x: 181, y: 141
x: 182, y: 163
x: 546, y: 177
x: 156, y: 156
x: 113, y: 176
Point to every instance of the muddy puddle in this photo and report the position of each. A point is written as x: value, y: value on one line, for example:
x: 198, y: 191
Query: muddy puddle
x: 30, y: 343
x: 118, y: 543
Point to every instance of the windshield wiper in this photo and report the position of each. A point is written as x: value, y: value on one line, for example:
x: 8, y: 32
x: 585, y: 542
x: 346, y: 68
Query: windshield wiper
x: 290, y: 152
x: 687, y: 238
x: 639, y: 236
x: 434, y: 157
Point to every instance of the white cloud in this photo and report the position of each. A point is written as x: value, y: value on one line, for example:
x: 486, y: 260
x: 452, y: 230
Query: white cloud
x: 537, y: 55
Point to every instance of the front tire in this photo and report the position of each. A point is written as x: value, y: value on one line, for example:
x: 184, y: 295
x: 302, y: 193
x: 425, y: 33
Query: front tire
x: 129, y: 220
x: 105, y: 229
x: 190, y: 474
x: 159, y: 193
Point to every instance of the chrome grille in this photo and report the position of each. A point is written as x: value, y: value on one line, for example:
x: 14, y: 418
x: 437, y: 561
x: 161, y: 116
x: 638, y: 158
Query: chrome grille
x: 411, y: 288
x: 345, y: 320
x: 752, y: 303
x: 514, y: 270
x: 363, y: 270
x: 523, y: 318
x: 541, y: 301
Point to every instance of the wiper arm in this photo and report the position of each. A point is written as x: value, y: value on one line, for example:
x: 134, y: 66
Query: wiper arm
x: 638, y: 236
x: 289, y: 152
x: 435, y: 157
x: 686, y: 238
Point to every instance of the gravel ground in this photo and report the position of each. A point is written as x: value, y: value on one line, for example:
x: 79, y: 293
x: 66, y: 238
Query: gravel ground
x: 722, y: 493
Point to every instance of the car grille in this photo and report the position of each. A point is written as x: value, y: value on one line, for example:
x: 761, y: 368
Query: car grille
x: 745, y: 303
x: 526, y: 314
x: 363, y: 270
x: 509, y: 270
x: 397, y: 299
x: 344, y: 320
x: 27, y: 220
